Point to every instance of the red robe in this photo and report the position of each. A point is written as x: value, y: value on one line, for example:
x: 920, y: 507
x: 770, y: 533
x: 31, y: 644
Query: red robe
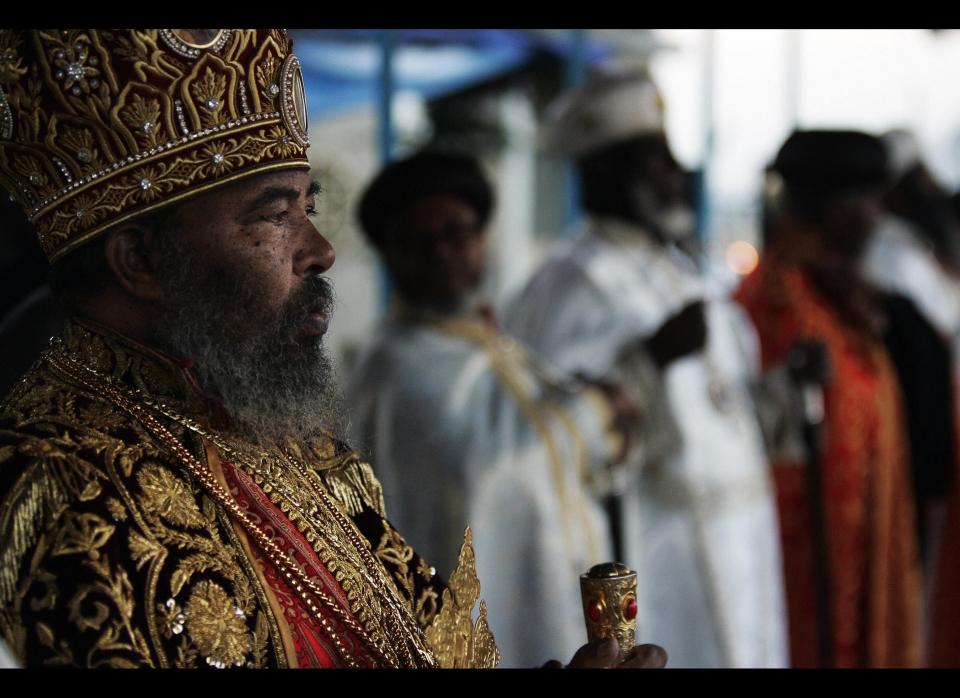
x: 945, y: 611
x: 874, y: 582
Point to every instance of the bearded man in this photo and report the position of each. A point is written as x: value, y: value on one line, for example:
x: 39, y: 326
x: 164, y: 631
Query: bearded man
x: 175, y: 488
x: 624, y: 301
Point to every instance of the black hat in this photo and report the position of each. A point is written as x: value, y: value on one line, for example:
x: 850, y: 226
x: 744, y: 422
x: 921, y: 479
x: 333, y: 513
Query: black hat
x: 833, y: 162
x: 404, y: 182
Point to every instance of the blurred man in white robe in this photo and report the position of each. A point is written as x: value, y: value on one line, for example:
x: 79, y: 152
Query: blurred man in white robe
x: 466, y: 428
x: 623, y: 301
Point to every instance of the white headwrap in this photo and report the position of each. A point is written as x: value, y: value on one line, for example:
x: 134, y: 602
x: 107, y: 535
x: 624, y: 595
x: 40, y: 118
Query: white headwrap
x: 903, y: 150
x: 610, y: 106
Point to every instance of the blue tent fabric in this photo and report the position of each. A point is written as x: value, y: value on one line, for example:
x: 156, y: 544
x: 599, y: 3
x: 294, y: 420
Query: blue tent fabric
x: 341, y: 68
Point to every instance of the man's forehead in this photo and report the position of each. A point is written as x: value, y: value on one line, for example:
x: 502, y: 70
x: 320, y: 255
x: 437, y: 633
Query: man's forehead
x: 253, y: 186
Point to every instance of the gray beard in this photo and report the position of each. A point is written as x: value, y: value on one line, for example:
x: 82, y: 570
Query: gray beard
x: 672, y: 223
x: 273, y: 385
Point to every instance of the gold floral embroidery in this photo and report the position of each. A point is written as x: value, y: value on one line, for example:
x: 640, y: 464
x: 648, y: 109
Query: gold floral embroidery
x: 169, y: 497
x: 81, y: 533
x: 426, y: 606
x: 134, y: 48
x: 79, y: 141
x: 29, y: 168
x: 394, y: 552
x: 280, y: 144
x: 113, y: 622
x: 143, y: 549
x: 70, y: 53
x: 172, y: 618
x: 217, y: 626
x: 148, y: 184
x: 219, y: 157
x: 63, y: 655
x: 208, y: 92
x: 268, y: 79
x: 11, y: 68
x: 142, y: 116
x: 84, y: 210
x: 116, y: 509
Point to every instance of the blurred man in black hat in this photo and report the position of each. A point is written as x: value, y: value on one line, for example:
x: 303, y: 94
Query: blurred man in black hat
x: 860, y: 581
x: 466, y: 428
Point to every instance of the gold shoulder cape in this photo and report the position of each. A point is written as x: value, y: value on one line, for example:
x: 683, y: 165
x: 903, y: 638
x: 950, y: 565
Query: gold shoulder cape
x: 113, y: 553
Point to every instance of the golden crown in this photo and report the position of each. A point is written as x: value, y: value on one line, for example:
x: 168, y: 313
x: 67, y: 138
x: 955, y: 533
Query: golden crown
x: 98, y: 126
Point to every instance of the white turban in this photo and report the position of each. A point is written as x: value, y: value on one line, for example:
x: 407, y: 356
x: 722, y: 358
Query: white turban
x: 610, y: 106
x: 903, y: 152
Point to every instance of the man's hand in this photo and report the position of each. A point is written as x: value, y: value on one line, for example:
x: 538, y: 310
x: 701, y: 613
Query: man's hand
x: 682, y: 334
x: 627, y: 415
x: 602, y: 654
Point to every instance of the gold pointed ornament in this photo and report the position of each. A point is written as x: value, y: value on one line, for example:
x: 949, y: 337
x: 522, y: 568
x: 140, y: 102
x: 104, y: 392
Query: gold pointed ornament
x: 458, y: 642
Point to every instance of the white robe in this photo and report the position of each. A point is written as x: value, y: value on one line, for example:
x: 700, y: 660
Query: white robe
x: 454, y: 446
x: 700, y: 523
x: 898, y: 260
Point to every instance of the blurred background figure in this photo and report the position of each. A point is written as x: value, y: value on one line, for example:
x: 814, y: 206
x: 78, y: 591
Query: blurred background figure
x: 851, y: 564
x: 625, y: 300
x: 912, y: 258
x: 465, y: 428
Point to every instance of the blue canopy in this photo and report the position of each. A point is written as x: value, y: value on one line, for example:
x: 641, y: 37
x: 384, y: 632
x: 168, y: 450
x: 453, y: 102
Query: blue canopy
x: 341, y: 67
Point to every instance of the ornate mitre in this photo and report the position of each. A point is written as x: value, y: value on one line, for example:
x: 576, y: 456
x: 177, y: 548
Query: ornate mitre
x: 98, y: 126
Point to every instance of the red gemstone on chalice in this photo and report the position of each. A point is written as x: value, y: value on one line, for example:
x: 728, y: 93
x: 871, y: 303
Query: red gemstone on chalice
x: 593, y: 610
x: 630, y: 609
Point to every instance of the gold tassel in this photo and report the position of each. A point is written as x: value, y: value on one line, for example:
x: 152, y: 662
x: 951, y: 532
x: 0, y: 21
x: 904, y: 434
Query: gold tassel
x: 355, y: 486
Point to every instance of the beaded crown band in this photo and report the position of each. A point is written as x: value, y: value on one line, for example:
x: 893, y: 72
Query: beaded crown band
x: 98, y: 126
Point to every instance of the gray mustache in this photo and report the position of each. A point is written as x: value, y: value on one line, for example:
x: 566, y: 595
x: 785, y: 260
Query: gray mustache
x: 315, y: 295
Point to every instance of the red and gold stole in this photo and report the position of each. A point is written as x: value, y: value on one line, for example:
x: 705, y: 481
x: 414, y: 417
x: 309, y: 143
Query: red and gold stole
x: 874, y: 582
x: 306, y: 643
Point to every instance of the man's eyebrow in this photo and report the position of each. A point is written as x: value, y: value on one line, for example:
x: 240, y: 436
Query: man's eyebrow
x: 270, y: 195
x: 314, y: 188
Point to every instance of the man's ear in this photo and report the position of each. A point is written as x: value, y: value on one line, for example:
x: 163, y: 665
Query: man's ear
x: 127, y: 250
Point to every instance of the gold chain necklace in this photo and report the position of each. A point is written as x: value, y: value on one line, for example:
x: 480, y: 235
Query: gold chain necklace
x: 291, y: 572
x: 405, y: 619
x: 399, y: 619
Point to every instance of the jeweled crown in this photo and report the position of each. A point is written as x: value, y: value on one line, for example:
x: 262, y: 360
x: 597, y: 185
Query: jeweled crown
x: 98, y: 126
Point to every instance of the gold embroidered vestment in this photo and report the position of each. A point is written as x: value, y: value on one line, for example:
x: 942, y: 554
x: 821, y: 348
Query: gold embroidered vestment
x: 113, y: 552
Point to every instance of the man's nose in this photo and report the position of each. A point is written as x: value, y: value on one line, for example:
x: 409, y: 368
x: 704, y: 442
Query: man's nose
x: 315, y: 255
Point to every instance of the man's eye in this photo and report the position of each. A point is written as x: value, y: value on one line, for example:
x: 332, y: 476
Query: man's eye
x: 278, y: 217
x: 311, y: 211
